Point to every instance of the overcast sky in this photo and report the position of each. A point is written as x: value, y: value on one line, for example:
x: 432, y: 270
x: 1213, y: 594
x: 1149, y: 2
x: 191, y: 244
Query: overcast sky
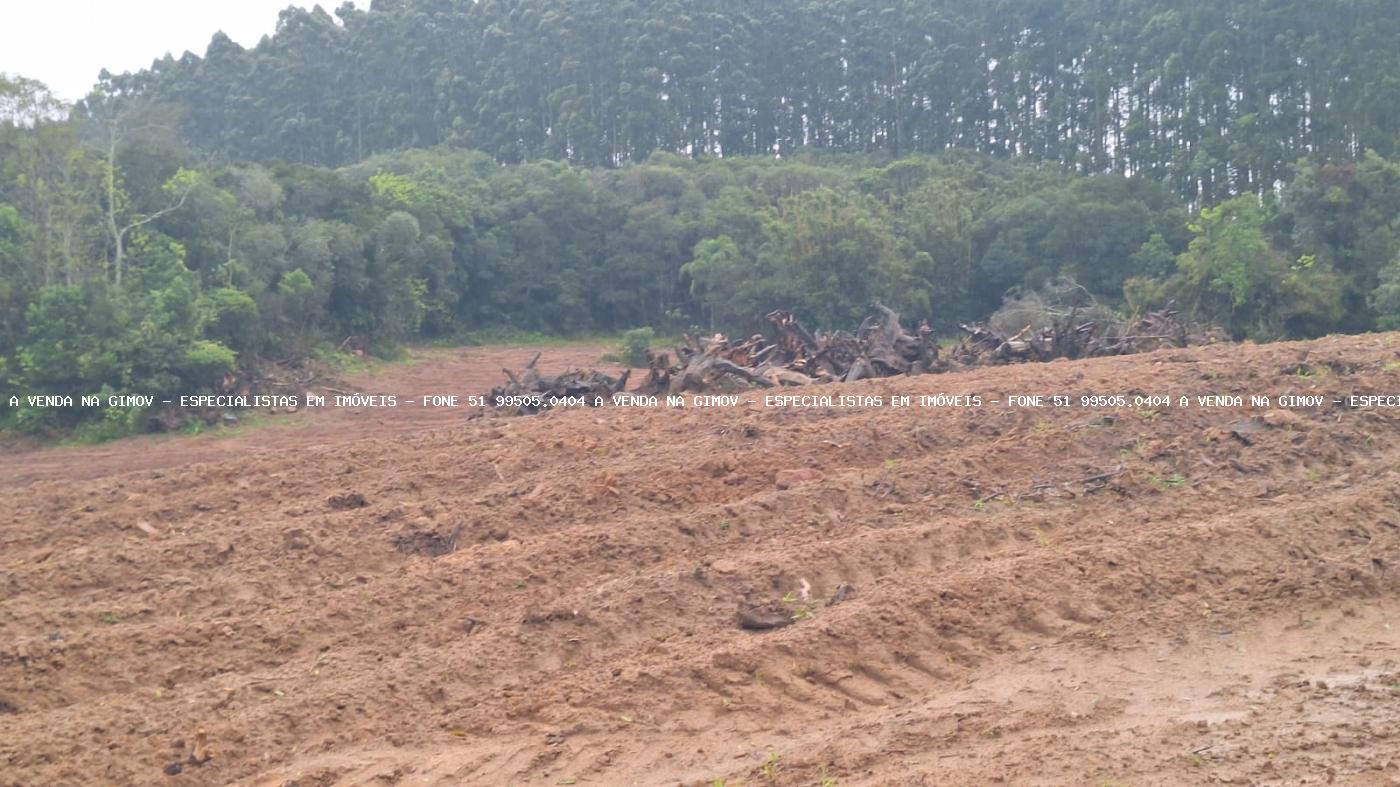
x: 64, y: 43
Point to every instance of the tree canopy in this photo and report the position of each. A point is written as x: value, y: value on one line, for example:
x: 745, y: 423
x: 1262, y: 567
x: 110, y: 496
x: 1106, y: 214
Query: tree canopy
x: 1215, y: 98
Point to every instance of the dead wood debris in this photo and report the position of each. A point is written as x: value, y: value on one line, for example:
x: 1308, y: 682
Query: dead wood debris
x: 1071, y: 336
x: 879, y: 347
x: 531, y: 392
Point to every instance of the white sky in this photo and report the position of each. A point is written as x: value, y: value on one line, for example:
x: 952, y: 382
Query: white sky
x: 65, y: 43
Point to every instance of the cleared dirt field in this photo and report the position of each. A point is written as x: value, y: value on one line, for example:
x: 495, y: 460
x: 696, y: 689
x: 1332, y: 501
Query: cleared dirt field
x: 468, y: 370
x: 1056, y: 596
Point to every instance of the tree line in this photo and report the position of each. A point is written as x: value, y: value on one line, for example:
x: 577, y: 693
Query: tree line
x: 131, y: 262
x: 1215, y: 99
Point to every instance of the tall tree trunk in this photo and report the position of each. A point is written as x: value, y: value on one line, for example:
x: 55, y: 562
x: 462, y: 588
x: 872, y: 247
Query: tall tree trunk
x: 114, y: 233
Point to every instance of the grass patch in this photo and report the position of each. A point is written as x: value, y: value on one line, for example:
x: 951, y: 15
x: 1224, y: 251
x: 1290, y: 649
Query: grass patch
x: 1169, y: 482
x: 344, y: 360
x: 770, y: 768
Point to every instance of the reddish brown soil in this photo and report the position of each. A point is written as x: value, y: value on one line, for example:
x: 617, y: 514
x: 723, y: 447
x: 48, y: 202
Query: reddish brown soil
x: 382, y: 599
x: 427, y: 371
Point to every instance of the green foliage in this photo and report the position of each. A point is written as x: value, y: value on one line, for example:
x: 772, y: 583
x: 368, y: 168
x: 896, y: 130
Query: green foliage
x: 591, y: 227
x: 1230, y: 257
x: 72, y: 342
x: 1386, y: 298
x: 230, y: 316
x: 295, y: 284
x: 1212, y: 98
x: 1346, y: 215
x: 207, y: 361
x: 827, y: 254
x: 715, y: 272
x: 114, y: 422
x: 1232, y: 275
x: 636, y: 343
x: 1168, y: 482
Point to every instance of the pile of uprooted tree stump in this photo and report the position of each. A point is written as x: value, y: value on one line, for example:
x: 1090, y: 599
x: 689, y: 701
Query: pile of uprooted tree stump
x: 880, y: 347
x: 1073, y: 335
x: 530, y: 392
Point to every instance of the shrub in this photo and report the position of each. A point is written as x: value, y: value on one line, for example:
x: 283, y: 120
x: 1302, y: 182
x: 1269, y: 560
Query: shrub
x: 635, y: 344
x: 206, y: 362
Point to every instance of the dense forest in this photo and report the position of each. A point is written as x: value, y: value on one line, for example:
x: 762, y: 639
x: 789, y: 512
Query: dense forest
x: 438, y: 168
x: 1215, y: 98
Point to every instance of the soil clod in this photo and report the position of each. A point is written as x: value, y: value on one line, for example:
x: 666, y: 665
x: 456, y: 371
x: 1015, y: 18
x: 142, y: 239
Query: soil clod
x: 346, y: 501
x: 788, y: 479
x: 764, y: 618
x: 415, y: 540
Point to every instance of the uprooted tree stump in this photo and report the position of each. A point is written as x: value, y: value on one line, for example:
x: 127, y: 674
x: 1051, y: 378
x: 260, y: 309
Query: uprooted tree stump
x: 531, y: 392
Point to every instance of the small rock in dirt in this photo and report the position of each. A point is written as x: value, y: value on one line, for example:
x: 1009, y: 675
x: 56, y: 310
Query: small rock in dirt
x: 346, y: 501
x: 174, y: 769
x: 716, y: 468
x: 1241, y: 430
x: 296, y: 538
x: 551, y: 616
x: 414, y: 540
x: 146, y: 527
x: 8, y: 708
x: 843, y: 591
x: 788, y: 479
x: 763, y: 618
x: 724, y: 566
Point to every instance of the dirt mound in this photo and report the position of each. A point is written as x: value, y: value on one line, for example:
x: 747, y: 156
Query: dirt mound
x: 755, y: 595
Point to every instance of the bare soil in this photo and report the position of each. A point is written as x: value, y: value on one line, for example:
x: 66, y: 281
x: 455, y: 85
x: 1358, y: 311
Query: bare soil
x: 1055, y: 596
x: 426, y: 372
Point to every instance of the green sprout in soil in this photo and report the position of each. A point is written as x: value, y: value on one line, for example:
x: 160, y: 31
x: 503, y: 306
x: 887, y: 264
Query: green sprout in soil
x: 1169, y: 482
x: 770, y: 768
